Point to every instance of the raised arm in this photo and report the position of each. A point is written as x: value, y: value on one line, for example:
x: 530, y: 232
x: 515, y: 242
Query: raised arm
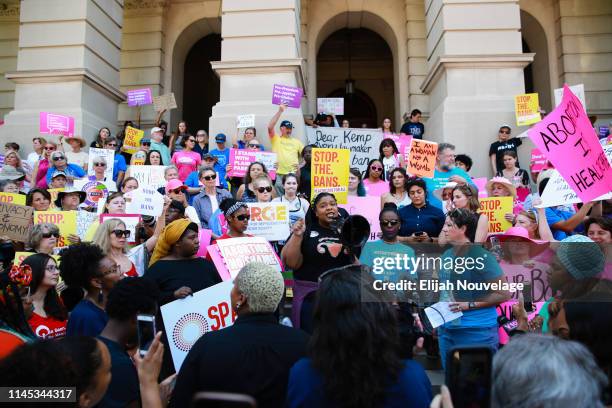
x: 291, y: 255
x: 571, y: 223
x: 275, y: 118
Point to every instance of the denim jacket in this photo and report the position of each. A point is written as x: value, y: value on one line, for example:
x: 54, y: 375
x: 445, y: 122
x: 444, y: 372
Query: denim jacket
x: 203, y: 206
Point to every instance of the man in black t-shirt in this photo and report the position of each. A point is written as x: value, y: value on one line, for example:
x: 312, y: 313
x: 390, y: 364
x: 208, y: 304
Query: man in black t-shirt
x: 498, y: 148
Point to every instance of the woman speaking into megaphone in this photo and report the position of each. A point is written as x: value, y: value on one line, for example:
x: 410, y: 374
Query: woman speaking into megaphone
x: 314, y: 246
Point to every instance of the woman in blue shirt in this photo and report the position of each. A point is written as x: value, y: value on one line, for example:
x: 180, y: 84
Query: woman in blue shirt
x: 478, y: 325
x: 355, y: 351
x: 421, y: 221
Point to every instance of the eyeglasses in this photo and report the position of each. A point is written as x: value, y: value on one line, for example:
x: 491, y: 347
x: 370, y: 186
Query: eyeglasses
x: 50, y: 148
x: 112, y: 144
x: 50, y: 234
x: 176, y: 190
x: 375, y: 168
x: 208, y: 178
x: 146, y: 143
x: 389, y: 223
x: 121, y: 233
x: 99, y: 164
x: 265, y: 189
x: 58, y: 158
x: 505, y: 131
x: 243, y: 217
x: 254, y: 146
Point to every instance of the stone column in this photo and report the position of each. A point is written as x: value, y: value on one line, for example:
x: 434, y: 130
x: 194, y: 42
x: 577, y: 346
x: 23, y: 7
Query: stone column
x: 417, y: 56
x: 68, y: 63
x: 260, y: 48
x: 9, y: 43
x: 475, y: 68
x: 584, y: 36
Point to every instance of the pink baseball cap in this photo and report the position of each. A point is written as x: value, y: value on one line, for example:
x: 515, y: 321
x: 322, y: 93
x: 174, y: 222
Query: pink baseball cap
x: 174, y: 184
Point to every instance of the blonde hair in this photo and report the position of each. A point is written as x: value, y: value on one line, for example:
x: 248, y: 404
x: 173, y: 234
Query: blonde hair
x: 102, y: 235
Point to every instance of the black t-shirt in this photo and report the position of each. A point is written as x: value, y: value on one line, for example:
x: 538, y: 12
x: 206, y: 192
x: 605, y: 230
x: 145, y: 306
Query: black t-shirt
x: 416, y: 129
x: 170, y: 275
x: 124, y: 387
x: 498, y: 148
x: 321, y: 251
x: 305, y: 181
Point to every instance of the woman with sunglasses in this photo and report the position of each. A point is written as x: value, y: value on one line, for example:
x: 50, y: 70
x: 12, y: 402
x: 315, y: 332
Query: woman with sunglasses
x: 59, y: 162
x: 246, y: 192
x: 48, y: 321
x: 186, y: 160
x: 313, y: 247
x: 99, y: 168
x: 263, y: 189
x: 175, y: 190
x: 374, y: 179
x: 39, y: 199
x: 15, y: 309
x: 139, y: 158
x: 250, y: 134
x: 398, y: 192
x: 89, y: 276
x: 43, y: 238
x: 39, y: 174
x: 237, y: 216
x: 112, y: 236
x: 207, y: 201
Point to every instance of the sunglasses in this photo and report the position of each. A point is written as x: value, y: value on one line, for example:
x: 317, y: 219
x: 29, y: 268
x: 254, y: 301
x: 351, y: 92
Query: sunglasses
x: 389, y: 223
x: 121, y: 233
x: 265, y: 189
x: 208, y: 178
x: 176, y: 190
x: 58, y: 158
x: 50, y: 234
x: 507, y: 132
x: 376, y: 168
x: 146, y: 143
x: 254, y: 146
x: 99, y: 164
x: 191, y: 140
x: 112, y: 145
x: 243, y: 217
x: 50, y: 148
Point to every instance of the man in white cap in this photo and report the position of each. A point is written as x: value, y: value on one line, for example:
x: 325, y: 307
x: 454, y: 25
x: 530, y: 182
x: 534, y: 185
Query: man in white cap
x: 157, y: 135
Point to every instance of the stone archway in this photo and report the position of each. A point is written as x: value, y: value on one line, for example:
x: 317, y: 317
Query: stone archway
x: 537, y: 74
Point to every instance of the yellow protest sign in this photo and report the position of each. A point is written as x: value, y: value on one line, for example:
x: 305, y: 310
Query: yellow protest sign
x: 131, y: 143
x: 20, y: 256
x: 12, y: 198
x: 54, y: 192
x: 66, y: 221
x: 422, y: 158
x: 526, y: 108
x: 330, y: 172
x: 495, y: 208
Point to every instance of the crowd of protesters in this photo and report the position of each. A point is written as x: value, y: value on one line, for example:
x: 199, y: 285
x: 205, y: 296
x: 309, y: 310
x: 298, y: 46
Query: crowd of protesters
x: 68, y: 313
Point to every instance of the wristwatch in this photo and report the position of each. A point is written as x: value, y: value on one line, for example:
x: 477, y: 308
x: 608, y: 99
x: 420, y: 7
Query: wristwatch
x: 471, y: 305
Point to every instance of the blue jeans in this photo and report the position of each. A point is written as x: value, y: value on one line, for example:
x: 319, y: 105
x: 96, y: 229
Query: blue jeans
x: 449, y: 337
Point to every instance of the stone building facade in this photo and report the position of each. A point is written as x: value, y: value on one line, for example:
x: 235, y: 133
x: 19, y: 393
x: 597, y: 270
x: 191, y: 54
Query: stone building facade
x: 459, y: 61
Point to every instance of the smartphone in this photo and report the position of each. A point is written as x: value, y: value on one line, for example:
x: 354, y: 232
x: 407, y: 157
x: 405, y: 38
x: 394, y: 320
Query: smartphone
x: 527, y: 298
x: 222, y: 400
x: 146, y: 332
x: 468, y: 376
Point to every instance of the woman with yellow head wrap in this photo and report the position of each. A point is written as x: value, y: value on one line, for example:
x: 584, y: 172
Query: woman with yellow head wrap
x: 174, y: 266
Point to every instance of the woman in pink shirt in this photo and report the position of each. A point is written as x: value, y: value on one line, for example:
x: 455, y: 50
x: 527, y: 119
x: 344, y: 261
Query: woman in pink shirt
x: 39, y: 174
x: 374, y: 179
x: 186, y: 160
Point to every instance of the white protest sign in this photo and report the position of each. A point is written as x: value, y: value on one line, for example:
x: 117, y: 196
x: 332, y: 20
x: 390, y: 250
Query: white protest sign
x: 245, y: 121
x: 363, y: 143
x: 269, y: 220
x: 188, y: 319
x: 109, y: 156
x: 578, y: 90
x: 331, y: 106
x: 130, y: 220
x: 237, y: 252
x: 144, y: 201
x: 149, y: 176
x: 84, y: 220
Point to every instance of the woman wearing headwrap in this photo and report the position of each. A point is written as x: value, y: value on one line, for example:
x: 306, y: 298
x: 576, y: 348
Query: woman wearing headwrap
x: 15, y: 309
x: 174, y: 266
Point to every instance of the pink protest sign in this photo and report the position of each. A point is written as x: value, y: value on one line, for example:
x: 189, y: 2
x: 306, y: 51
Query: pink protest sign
x: 240, y: 159
x: 402, y: 142
x: 481, y: 183
x: 204, y: 237
x: 215, y: 255
x: 290, y: 95
x: 569, y: 142
x: 369, y: 207
x: 539, y: 161
x: 51, y: 123
x: 137, y: 97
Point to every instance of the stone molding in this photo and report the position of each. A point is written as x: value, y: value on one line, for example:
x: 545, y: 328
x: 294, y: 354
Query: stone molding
x: 261, y: 66
x: 66, y: 75
x: 473, y: 61
x: 9, y: 9
x: 145, y: 4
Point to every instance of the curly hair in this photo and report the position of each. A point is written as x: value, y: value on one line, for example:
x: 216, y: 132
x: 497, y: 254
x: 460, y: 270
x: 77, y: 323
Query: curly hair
x: 355, y: 338
x: 11, y: 308
x: 52, y: 305
x: 131, y: 296
x: 79, y: 264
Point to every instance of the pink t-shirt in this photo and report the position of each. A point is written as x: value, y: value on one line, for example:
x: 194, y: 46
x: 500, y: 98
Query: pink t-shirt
x: 376, y: 189
x: 186, y: 162
x: 41, y: 176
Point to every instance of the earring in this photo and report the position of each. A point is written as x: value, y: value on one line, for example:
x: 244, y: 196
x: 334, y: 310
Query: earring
x: 100, y: 296
x: 237, y: 306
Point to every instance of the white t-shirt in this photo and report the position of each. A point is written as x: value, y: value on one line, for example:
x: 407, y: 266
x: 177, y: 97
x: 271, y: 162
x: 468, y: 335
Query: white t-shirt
x: 32, y: 159
x: 81, y: 158
x: 214, y: 204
